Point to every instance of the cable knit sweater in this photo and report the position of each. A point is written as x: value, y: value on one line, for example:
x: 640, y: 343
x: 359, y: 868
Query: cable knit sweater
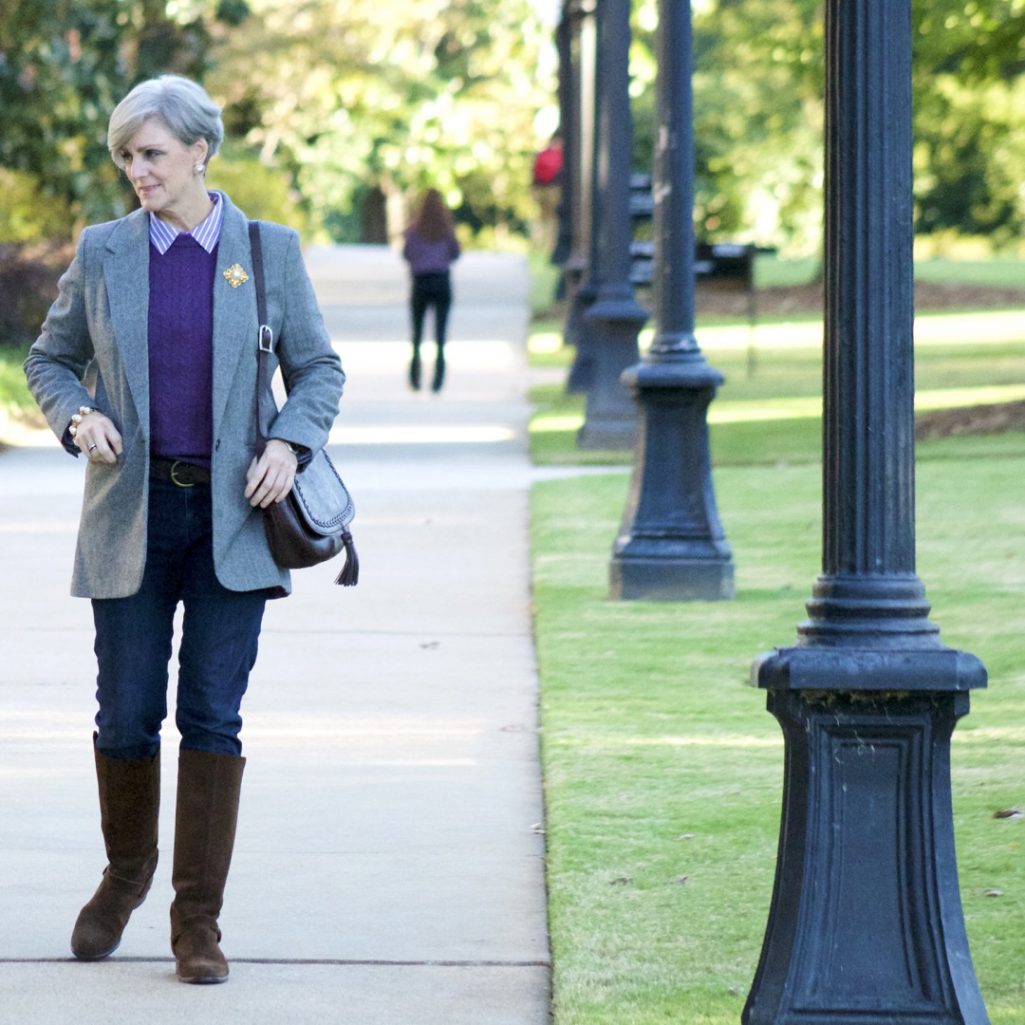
x: 181, y: 351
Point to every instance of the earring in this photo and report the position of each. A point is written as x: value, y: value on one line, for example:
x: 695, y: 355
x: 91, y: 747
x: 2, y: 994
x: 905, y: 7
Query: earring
x: 200, y: 168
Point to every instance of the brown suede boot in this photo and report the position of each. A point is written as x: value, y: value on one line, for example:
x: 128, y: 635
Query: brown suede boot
x: 207, y: 811
x: 129, y: 808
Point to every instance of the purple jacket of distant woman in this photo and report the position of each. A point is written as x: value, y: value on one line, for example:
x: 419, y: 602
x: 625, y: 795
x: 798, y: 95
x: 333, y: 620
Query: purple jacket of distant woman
x: 426, y: 257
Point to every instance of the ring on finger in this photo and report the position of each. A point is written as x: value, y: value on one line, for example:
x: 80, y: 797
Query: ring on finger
x: 93, y: 447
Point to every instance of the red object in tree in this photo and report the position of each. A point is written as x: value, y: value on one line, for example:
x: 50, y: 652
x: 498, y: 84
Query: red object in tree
x: 548, y: 164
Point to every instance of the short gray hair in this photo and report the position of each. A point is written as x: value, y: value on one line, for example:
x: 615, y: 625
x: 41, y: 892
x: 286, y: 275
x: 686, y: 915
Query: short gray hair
x: 179, y: 103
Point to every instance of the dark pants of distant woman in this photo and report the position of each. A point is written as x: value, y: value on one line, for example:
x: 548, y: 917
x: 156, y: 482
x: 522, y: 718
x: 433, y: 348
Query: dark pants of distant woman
x: 431, y: 290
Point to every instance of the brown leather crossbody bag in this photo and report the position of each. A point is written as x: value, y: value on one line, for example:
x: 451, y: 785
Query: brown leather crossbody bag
x: 311, y: 525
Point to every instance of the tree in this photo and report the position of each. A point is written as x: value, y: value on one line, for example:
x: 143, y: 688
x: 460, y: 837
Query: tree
x: 64, y: 64
x: 758, y: 89
x: 393, y: 94
x: 970, y: 117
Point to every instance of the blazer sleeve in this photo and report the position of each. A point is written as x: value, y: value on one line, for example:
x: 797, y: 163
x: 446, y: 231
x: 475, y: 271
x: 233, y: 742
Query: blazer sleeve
x: 60, y: 356
x: 310, y: 367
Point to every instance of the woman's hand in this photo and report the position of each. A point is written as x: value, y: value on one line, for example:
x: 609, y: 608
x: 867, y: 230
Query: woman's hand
x: 270, y: 476
x: 98, y: 438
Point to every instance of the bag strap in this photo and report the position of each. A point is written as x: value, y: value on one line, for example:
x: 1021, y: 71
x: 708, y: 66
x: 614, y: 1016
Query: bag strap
x: 266, y: 407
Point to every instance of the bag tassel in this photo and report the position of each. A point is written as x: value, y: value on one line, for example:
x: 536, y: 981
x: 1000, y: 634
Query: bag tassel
x: 349, y: 575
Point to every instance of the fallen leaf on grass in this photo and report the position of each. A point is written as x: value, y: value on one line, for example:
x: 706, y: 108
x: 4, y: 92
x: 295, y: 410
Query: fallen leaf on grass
x: 679, y: 880
x: 993, y: 891
x: 1009, y: 813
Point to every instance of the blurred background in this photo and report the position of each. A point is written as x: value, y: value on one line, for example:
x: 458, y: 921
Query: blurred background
x: 339, y: 112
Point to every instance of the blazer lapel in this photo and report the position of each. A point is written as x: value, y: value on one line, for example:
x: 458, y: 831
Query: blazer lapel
x: 126, y: 272
x: 234, y: 305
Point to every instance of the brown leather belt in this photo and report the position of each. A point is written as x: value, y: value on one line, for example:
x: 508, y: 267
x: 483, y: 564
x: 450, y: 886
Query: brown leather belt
x: 185, y: 475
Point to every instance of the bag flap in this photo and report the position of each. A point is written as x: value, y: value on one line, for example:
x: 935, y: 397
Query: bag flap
x: 322, y: 497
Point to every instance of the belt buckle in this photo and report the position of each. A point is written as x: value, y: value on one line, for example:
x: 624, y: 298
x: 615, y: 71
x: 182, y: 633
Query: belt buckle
x: 174, y: 477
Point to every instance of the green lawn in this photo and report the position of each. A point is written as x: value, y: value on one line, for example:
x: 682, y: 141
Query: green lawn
x: 771, y: 271
x: 663, y: 769
x: 998, y: 273
x: 768, y: 409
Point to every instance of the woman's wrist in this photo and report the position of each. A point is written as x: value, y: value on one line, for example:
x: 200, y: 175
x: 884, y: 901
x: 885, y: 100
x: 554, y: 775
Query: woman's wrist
x: 77, y: 418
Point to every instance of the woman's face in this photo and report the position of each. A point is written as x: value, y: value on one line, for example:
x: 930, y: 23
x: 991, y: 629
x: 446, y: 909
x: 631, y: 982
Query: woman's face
x: 162, y: 170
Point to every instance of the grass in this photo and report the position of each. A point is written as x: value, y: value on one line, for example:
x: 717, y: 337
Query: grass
x: 771, y: 412
x: 663, y: 771
x: 997, y: 273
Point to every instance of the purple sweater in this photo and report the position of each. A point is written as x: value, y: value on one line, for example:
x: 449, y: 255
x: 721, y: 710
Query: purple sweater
x: 181, y: 304
x: 429, y: 257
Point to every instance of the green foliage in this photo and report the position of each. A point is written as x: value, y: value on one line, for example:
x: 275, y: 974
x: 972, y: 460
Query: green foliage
x: 758, y: 113
x: 15, y: 399
x: 26, y: 214
x: 758, y: 86
x: 982, y: 40
x: 66, y: 64
x: 758, y: 74
x: 663, y: 770
x: 349, y: 96
x: 261, y: 192
x: 398, y: 95
x: 970, y: 158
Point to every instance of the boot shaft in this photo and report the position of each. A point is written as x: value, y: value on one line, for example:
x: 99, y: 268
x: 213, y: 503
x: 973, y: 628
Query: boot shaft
x: 129, y: 794
x: 206, y: 816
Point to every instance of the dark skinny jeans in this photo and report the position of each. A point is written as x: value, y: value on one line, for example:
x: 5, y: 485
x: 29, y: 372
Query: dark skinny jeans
x: 431, y: 290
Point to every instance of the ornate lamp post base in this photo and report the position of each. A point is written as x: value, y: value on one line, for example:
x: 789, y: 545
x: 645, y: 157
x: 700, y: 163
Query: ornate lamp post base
x: 865, y: 926
x: 672, y: 547
x: 668, y: 575
x: 579, y: 331
x: 610, y: 419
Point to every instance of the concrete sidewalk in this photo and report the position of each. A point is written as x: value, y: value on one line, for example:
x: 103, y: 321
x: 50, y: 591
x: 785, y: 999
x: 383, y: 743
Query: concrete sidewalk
x: 389, y: 864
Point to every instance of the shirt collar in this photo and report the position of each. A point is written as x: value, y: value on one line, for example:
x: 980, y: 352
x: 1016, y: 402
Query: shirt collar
x: 207, y: 233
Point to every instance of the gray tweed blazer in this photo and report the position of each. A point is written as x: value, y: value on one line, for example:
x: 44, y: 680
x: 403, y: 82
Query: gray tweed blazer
x: 96, y: 331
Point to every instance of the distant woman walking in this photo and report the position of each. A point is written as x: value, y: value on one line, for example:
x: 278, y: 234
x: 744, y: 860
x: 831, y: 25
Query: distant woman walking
x: 430, y: 249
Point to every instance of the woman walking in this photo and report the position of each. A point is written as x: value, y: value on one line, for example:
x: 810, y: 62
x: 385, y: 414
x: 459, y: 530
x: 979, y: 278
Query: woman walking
x: 430, y: 249
x: 160, y: 308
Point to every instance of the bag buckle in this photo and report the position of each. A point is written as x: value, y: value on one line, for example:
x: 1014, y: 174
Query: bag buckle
x: 266, y: 339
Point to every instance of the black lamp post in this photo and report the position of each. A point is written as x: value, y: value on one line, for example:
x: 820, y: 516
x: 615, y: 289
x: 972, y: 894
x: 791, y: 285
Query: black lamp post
x: 583, y: 269
x: 672, y: 546
x: 616, y: 316
x: 866, y: 923
x: 569, y: 131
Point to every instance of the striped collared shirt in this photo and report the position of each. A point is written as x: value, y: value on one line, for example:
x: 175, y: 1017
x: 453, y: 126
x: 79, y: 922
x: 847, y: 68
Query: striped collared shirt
x: 207, y: 233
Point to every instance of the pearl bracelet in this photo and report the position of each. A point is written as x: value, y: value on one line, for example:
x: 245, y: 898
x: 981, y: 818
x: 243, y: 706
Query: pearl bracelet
x: 76, y: 418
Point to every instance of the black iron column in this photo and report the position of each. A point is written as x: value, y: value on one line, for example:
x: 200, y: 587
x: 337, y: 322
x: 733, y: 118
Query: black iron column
x: 672, y: 546
x: 583, y: 268
x: 569, y: 131
x: 617, y: 318
x: 866, y: 923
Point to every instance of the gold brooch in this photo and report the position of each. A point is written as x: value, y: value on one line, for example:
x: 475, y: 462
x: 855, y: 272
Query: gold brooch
x: 235, y: 275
